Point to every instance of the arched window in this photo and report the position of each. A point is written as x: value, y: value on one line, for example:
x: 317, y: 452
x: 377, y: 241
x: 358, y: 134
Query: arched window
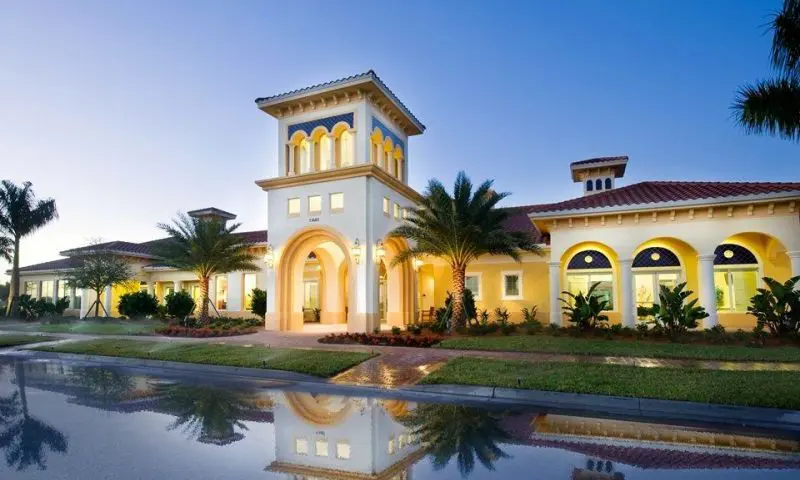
x: 735, y: 277
x: 598, y: 184
x: 588, y: 267
x: 345, y: 149
x: 589, y: 185
x: 654, y: 267
x: 608, y: 184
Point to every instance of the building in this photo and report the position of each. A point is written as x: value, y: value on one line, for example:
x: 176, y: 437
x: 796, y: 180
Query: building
x: 342, y: 187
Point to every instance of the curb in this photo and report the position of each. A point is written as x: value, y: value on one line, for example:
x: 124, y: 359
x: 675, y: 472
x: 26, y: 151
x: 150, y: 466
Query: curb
x: 641, y: 408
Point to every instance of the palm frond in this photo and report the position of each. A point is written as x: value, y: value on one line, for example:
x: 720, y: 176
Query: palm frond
x: 770, y: 106
x: 785, y: 25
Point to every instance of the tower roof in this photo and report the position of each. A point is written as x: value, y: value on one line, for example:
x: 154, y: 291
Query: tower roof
x: 617, y: 164
x: 364, y: 84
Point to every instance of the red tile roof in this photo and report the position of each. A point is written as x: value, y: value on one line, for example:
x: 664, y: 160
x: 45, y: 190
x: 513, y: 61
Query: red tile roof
x: 60, y: 264
x: 650, y: 193
x: 518, y: 221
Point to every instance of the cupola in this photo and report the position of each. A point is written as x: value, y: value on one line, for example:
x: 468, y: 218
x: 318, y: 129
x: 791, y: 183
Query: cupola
x: 598, y: 174
x: 212, y: 213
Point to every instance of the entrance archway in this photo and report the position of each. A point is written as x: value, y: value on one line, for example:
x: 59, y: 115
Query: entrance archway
x: 317, y: 255
x: 398, y: 286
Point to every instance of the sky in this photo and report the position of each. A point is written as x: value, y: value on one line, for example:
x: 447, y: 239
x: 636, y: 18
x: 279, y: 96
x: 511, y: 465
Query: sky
x: 128, y: 112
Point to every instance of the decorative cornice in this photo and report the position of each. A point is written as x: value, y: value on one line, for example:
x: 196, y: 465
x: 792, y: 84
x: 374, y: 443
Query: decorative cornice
x: 363, y: 170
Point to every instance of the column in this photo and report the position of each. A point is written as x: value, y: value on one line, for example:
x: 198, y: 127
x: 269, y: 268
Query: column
x: 107, y: 300
x: 555, y: 293
x: 708, y: 293
x: 794, y: 257
x: 310, y: 156
x: 627, y: 309
x: 379, y: 154
x: 72, y: 297
x: 176, y: 286
x: 86, y: 301
x: 291, y: 160
x: 212, y: 291
x: 55, y: 290
x: 151, y: 288
x: 331, y: 152
x: 235, y: 293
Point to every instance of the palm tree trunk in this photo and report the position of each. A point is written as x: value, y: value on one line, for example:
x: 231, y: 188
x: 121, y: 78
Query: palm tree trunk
x: 204, y: 299
x: 13, y: 291
x: 459, y: 279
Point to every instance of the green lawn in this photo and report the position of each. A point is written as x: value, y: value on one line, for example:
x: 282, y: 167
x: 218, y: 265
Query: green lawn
x: 762, y: 389
x: 313, y: 362
x: 623, y: 348
x: 108, y: 327
x: 14, y: 340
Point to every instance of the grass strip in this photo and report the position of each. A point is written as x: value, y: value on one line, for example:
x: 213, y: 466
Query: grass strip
x: 93, y: 327
x: 624, y: 348
x: 15, y: 340
x: 744, y: 388
x: 313, y: 362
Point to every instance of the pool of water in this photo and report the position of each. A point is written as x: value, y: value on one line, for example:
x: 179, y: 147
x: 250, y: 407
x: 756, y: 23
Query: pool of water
x: 59, y: 421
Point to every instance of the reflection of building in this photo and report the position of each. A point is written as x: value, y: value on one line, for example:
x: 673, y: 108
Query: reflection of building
x: 332, y: 437
x: 607, y: 442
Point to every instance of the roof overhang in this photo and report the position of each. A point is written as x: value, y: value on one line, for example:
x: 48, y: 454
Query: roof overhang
x: 362, y: 170
x: 211, y: 212
x: 704, y: 202
x: 616, y: 164
x: 365, y: 85
x: 83, y: 251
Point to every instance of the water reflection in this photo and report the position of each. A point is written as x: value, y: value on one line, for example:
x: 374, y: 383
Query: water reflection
x: 461, y: 432
x: 24, y: 438
x: 300, y: 435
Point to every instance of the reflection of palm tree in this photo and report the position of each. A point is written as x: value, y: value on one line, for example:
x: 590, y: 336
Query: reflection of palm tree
x: 466, y: 433
x: 107, y: 386
x: 25, y: 438
x: 206, y: 414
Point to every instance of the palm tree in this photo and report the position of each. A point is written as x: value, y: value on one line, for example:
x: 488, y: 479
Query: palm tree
x: 773, y: 106
x: 21, y: 214
x: 461, y: 228
x: 463, y: 432
x: 206, y: 247
x: 25, y: 438
x: 208, y: 415
x: 6, y: 248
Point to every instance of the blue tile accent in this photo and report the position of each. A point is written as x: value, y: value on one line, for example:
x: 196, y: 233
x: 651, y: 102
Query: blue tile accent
x: 666, y: 258
x: 328, y: 123
x: 741, y: 255
x: 598, y: 260
x: 388, y: 133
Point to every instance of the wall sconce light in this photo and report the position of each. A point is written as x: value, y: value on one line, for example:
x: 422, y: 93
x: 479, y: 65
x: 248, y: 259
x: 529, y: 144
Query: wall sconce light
x: 355, y: 251
x: 380, y: 250
x: 269, y: 257
x: 417, y: 263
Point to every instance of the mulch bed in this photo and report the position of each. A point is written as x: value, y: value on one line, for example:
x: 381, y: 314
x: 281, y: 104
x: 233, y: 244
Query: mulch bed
x: 379, y: 339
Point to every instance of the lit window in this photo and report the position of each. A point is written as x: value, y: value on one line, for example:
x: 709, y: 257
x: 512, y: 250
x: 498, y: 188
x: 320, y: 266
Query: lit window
x: 337, y: 202
x: 47, y: 289
x: 386, y: 205
x: 301, y: 446
x: 62, y: 289
x: 222, y: 293
x: 249, y: 285
x: 512, y: 285
x: 648, y: 286
x: 321, y: 448
x: 591, y: 267
x: 391, y: 448
x: 396, y: 211
x: 343, y: 450
x: 473, y: 284
x: 314, y: 204
x: 405, y: 213
x: 294, y: 206
x: 30, y: 289
x: 735, y: 277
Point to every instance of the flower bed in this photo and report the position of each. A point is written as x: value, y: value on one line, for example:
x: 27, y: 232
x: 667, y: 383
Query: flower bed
x: 381, y: 339
x: 176, y: 331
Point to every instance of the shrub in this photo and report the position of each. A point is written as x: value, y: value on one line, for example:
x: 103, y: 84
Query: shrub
x: 415, y: 329
x: 376, y: 330
x: 396, y: 331
x: 381, y: 340
x: 777, y: 307
x: 179, y: 304
x: 32, y: 309
x: 482, y: 328
x: 717, y: 335
x: 224, y: 323
x: 530, y: 323
x: 470, y: 312
x: 177, y: 331
x: 258, y: 302
x: 585, y: 311
x: 137, y: 304
x: 672, y: 314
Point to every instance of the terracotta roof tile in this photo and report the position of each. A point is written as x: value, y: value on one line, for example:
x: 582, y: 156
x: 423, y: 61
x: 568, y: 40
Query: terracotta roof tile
x: 661, y: 192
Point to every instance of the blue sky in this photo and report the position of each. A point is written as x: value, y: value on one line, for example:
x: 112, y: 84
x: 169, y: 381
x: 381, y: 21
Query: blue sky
x: 129, y: 111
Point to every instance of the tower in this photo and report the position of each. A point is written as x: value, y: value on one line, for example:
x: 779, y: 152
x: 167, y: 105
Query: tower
x: 598, y: 174
x: 341, y: 187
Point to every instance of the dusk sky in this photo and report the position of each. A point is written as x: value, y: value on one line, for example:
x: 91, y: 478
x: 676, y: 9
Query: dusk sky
x: 127, y: 112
